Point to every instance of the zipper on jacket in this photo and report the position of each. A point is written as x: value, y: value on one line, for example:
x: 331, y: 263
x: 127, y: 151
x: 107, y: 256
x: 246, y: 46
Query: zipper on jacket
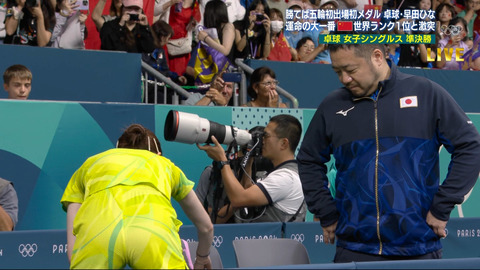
x: 377, y: 153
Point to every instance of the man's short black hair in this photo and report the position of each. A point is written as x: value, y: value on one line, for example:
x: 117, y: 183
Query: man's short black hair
x: 288, y: 127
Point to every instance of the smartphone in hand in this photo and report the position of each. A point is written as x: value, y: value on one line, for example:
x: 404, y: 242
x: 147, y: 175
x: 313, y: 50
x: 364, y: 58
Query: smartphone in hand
x: 82, y: 4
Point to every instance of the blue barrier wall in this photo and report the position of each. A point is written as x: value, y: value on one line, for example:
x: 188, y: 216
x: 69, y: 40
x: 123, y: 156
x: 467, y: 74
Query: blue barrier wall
x: 105, y: 76
x: 47, y: 248
x: 43, y: 143
x: 311, y: 83
x: 77, y: 75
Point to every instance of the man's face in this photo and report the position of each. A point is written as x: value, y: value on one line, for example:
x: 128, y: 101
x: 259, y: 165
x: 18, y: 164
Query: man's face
x: 18, y: 88
x: 271, y: 143
x: 357, y: 74
x: 227, y: 91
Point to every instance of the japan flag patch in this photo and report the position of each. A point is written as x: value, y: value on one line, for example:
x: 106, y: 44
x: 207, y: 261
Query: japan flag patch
x: 408, y: 102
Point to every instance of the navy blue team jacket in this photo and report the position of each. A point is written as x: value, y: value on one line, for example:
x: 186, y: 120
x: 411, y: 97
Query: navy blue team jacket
x: 387, y: 156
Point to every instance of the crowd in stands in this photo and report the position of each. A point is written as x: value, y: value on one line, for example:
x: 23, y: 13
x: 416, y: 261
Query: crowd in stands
x: 191, y: 41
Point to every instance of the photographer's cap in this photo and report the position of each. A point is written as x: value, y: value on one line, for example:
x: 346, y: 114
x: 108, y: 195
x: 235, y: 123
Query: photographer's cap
x: 129, y: 3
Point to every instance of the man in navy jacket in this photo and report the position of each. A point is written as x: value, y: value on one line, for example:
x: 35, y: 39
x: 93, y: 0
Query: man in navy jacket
x: 384, y: 129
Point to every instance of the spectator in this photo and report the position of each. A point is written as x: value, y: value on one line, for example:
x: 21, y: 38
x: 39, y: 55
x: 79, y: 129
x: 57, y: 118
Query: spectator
x: 294, y: 36
x: 280, y: 191
x: 130, y: 32
x: 182, y: 16
x: 8, y: 206
x: 280, y: 5
x: 384, y: 129
x: 216, y: 16
x: 393, y: 52
x: 219, y: 94
x: 262, y: 89
x: 216, y: 37
x: 17, y: 81
x: 425, y: 4
x: 303, y: 4
x: 69, y: 31
x: 469, y: 14
x: 445, y: 13
x: 211, y: 191
x: 252, y: 35
x: 306, y: 50
x: 235, y: 10
x: 453, y: 41
x: 279, y: 50
x: 114, y: 12
x: 29, y: 22
x: 123, y: 196
x: 158, y: 59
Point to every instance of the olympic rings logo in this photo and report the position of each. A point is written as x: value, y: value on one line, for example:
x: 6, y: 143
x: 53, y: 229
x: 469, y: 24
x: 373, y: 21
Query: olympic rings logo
x: 27, y: 249
x: 451, y: 30
x: 298, y: 237
x: 217, y: 241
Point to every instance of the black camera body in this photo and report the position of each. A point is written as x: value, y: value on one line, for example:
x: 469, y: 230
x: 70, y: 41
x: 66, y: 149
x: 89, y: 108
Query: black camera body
x: 134, y: 17
x: 256, y: 143
x: 260, y: 17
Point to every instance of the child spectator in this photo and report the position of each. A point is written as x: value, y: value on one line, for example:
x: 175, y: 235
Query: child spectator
x: 162, y: 32
x: 17, y: 81
x: 69, y: 31
x: 455, y: 40
x: 445, y: 12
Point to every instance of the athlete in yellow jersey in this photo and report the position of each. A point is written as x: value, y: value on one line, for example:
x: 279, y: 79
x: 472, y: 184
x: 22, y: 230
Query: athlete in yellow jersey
x: 119, y: 208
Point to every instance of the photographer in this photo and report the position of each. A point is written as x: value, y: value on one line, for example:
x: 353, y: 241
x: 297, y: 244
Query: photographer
x: 210, y: 189
x: 29, y: 22
x: 280, y: 191
x: 130, y: 32
x: 252, y: 34
x: 219, y: 94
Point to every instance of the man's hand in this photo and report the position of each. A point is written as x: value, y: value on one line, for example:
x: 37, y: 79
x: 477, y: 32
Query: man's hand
x: 216, y: 97
x: 438, y: 226
x: 329, y: 233
x: 215, y: 152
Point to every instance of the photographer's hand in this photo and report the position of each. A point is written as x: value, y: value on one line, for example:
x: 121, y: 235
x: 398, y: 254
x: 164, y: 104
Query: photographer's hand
x: 215, y: 152
x: 124, y: 19
x: 143, y: 19
x: 252, y: 18
x: 266, y: 22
